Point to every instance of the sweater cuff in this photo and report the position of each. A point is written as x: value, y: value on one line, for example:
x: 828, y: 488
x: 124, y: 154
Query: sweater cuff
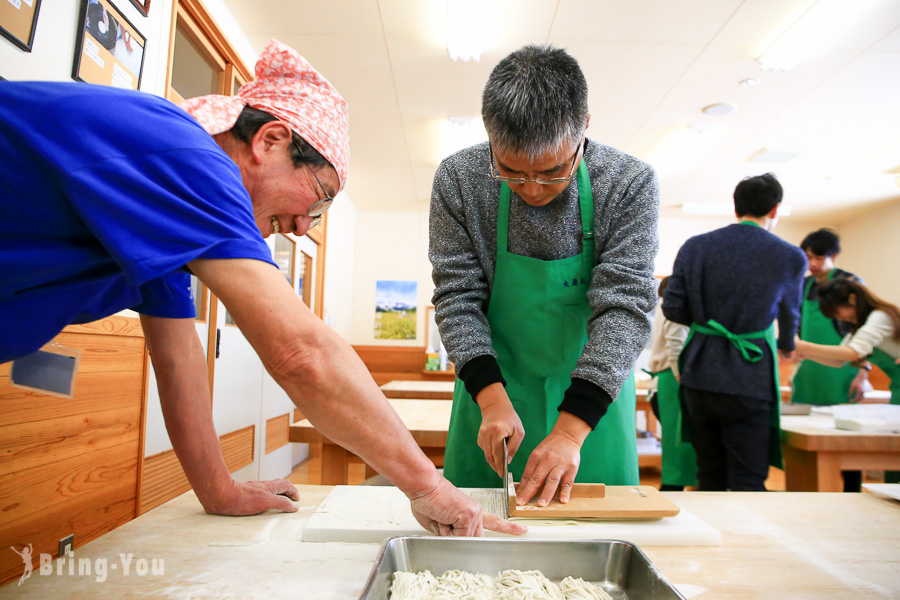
x: 479, y: 373
x: 586, y: 400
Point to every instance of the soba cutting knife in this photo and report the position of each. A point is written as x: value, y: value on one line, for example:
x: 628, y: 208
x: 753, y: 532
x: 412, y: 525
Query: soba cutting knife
x: 509, y: 491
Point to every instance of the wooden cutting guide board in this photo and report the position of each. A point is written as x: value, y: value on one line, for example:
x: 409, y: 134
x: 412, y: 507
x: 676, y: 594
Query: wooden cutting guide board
x: 371, y: 514
x: 596, y: 501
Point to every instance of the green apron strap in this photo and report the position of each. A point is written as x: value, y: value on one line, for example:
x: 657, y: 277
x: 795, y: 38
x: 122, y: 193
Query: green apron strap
x: 739, y: 341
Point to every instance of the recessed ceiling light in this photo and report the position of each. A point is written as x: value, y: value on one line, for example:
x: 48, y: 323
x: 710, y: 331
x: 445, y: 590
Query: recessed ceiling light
x: 717, y: 110
x: 765, y: 155
x: 748, y: 82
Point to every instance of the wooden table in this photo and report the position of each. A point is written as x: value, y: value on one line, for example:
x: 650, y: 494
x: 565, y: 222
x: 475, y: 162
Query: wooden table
x: 419, y: 390
x: 815, y: 452
x: 774, y: 545
x: 427, y: 420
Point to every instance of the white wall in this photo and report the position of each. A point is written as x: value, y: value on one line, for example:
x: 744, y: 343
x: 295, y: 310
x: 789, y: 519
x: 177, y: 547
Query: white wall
x: 53, y: 52
x: 389, y: 246
x: 870, y: 244
x: 340, y: 268
x: 675, y: 231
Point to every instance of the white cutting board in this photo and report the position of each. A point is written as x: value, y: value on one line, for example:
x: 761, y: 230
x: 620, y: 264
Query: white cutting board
x: 371, y: 514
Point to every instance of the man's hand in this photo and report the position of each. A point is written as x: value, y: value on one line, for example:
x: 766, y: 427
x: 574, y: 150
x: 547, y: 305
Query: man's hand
x: 447, y: 511
x: 791, y: 356
x: 499, y: 421
x: 252, y: 498
x: 555, y: 460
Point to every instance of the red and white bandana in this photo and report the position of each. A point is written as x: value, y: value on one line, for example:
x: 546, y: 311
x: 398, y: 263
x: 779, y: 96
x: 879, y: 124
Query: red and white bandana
x: 289, y: 88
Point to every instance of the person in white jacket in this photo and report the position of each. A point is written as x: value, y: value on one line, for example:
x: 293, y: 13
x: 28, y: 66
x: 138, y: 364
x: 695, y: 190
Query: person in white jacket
x: 679, y: 461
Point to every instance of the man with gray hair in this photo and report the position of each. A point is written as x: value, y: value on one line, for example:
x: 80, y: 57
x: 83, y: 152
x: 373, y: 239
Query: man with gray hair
x: 542, y: 243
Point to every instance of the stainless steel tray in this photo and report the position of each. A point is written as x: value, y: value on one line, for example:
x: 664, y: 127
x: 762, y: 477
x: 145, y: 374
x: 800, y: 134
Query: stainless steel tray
x: 620, y: 567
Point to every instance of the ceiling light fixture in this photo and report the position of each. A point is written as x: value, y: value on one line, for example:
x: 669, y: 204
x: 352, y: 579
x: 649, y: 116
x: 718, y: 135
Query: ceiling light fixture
x: 467, y: 28
x: 765, y: 155
x: 723, y: 209
x: 720, y: 109
x: 461, y: 133
x: 824, y: 23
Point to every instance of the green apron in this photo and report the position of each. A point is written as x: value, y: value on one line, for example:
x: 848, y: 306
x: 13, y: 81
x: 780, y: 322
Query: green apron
x: 679, y: 461
x: 815, y: 383
x: 751, y: 353
x: 884, y: 362
x: 538, y: 314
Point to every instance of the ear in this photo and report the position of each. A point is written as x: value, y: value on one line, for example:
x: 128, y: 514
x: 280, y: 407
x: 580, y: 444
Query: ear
x: 774, y: 212
x: 271, y: 139
x: 851, y: 299
x: 588, y: 124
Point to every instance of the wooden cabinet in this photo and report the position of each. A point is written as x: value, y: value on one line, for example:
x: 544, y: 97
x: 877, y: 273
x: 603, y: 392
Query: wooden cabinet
x: 73, y: 465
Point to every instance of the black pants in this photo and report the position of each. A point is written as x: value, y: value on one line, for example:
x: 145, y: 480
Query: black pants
x: 730, y: 434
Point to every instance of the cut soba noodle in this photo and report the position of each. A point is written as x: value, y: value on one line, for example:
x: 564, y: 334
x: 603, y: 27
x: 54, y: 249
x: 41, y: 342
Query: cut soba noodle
x: 509, y: 585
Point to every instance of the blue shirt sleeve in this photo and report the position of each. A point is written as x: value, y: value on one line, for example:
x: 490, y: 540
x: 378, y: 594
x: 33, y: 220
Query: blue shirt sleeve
x: 169, y: 296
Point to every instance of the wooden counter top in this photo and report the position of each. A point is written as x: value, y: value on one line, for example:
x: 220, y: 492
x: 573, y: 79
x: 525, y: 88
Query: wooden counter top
x: 774, y: 545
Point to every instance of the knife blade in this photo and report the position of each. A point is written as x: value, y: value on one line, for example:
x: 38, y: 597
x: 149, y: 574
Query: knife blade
x: 506, y: 481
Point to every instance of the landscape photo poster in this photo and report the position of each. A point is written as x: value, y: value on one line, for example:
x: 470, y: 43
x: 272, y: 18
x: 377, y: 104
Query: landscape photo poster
x: 395, y: 310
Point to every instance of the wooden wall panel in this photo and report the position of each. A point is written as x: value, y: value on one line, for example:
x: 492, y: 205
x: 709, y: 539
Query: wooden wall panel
x: 389, y: 363
x: 71, y: 465
x: 85, y: 516
x: 277, y: 429
x: 164, y: 479
x: 238, y: 448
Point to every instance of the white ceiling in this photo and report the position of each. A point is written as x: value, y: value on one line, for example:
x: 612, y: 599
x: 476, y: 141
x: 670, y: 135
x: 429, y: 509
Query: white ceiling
x: 651, y: 66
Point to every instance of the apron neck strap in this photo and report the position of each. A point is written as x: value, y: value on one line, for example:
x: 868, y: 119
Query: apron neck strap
x: 585, y: 202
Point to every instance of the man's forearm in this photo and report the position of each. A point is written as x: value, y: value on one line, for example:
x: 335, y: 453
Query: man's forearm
x: 319, y: 371
x: 834, y: 356
x: 184, y: 396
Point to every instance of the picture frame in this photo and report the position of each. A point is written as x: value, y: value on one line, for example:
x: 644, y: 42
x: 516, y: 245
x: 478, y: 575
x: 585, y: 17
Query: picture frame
x: 18, y: 22
x: 143, y: 6
x: 109, y: 49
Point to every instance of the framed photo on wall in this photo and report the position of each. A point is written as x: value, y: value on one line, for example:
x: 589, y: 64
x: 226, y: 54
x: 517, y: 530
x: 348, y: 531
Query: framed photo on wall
x: 109, y: 50
x: 143, y: 6
x: 18, y: 20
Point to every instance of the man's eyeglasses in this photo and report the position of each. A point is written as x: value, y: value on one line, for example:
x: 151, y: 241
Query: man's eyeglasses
x: 541, y: 180
x: 320, y: 207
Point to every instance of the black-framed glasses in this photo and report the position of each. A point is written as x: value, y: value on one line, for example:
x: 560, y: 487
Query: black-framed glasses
x: 321, y: 206
x: 541, y: 180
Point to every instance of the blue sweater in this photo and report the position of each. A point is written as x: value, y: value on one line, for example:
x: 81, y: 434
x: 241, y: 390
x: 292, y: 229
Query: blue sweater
x: 745, y: 278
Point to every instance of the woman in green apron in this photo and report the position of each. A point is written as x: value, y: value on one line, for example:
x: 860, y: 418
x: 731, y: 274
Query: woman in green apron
x: 814, y: 383
x: 875, y: 334
x: 679, y: 461
x: 538, y: 331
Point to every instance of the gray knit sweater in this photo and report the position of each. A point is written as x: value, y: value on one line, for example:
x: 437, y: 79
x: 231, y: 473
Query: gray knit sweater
x: 622, y: 293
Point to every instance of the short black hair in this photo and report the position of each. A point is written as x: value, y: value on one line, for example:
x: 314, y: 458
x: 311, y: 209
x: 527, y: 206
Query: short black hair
x: 251, y: 119
x: 757, y: 196
x: 824, y: 242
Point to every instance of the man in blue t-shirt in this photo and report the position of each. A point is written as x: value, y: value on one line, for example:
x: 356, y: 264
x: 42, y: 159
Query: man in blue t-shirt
x: 110, y: 198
